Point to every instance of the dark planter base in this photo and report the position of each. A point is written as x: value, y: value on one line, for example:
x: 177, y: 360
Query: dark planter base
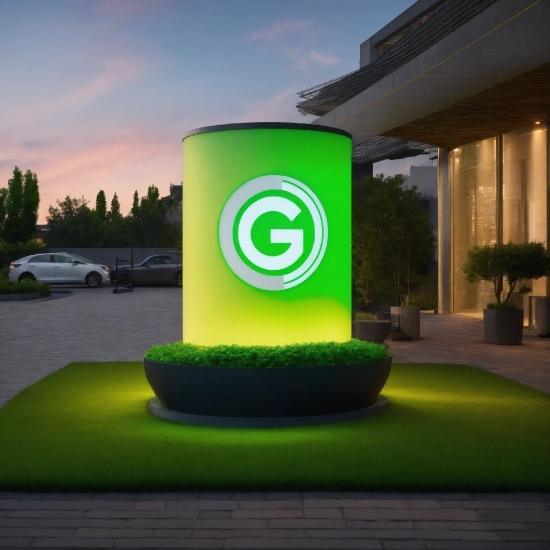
x: 267, y: 393
x: 158, y: 409
x: 503, y: 327
x: 372, y: 331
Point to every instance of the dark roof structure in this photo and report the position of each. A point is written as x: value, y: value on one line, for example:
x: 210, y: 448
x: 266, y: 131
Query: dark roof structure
x: 396, y: 51
x: 380, y: 148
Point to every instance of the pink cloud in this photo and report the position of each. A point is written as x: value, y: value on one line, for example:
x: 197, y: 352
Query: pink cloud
x: 115, y: 71
x: 121, y: 161
x: 277, y: 30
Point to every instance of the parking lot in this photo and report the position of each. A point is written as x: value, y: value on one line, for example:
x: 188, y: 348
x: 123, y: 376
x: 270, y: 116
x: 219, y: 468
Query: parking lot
x: 38, y: 337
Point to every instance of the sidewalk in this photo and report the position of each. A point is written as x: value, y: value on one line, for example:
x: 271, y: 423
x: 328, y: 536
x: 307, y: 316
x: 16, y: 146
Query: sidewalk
x: 40, y: 337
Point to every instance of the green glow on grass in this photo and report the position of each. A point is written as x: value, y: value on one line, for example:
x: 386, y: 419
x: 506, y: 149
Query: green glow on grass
x: 448, y: 427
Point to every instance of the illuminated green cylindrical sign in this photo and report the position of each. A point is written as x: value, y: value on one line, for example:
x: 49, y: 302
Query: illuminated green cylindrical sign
x: 266, y: 234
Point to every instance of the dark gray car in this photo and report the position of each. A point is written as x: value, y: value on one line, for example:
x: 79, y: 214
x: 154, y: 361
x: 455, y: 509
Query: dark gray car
x: 160, y: 269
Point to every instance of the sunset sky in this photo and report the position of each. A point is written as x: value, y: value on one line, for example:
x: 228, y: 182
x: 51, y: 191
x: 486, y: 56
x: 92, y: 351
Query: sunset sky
x: 97, y: 94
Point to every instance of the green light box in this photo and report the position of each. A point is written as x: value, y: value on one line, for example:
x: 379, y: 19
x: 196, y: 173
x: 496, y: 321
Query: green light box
x: 266, y: 234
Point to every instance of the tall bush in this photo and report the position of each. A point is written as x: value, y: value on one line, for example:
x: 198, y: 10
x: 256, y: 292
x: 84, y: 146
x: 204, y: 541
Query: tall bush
x: 19, y: 207
x: 10, y: 252
x: 392, y: 239
x: 510, y: 263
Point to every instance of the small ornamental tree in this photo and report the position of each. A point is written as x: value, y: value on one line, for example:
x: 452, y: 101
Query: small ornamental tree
x: 392, y: 239
x: 509, y: 262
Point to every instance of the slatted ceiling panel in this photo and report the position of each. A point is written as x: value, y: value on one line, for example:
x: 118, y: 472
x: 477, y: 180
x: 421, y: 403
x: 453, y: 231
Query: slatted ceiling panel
x: 520, y: 101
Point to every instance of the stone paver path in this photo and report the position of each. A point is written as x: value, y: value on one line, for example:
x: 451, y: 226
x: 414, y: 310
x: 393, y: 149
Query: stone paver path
x: 40, y: 337
x: 457, y: 339
x: 276, y: 520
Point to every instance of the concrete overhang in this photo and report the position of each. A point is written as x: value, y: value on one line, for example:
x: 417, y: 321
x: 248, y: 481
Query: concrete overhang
x: 508, y: 39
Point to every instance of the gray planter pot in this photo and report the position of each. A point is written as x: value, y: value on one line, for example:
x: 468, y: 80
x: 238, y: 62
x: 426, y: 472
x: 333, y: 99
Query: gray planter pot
x: 408, y: 318
x: 503, y: 327
x: 542, y: 309
x: 372, y: 331
x: 267, y: 393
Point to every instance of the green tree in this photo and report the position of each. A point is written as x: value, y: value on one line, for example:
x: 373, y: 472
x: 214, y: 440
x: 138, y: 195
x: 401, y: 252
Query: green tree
x: 135, y: 205
x: 3, y: 206
x: 149, y: 225
x: 29, y: 210
x: 509, y: 262
x: 13, y: 230
x: 101, y: 206
x: 72, y: 223
x: 19, y: 207
x: 114, y: 215
x: 392, y: 239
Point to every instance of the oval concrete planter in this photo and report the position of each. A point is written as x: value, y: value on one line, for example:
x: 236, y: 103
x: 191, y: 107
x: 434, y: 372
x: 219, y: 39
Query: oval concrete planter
x: 408, y: 319
x: 372, y: 331
x: 542, y: 308
x: 267, y: 393
x: 19, y: 297
x: 504, y: 327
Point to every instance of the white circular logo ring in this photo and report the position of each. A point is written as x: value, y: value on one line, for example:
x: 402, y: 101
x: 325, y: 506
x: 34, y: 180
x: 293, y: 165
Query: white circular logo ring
x: 293, y: 237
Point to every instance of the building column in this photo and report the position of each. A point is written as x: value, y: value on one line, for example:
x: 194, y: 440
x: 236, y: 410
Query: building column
x: 444, y: 232
x: 548, y: 199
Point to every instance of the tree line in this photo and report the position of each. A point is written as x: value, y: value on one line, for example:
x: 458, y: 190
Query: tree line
x: 73, y: 223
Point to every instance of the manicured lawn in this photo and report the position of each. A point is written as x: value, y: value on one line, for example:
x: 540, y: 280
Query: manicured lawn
x: 448, y: 427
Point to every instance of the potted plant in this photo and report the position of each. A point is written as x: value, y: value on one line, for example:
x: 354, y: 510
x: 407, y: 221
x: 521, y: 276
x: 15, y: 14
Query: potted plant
x: 317, y: 380
x: 369, y: 328
x: 505, y: 264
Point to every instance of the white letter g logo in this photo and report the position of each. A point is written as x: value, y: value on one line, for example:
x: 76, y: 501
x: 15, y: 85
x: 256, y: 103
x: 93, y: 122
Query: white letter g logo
x: 293, y: 237
x: 296, y: 271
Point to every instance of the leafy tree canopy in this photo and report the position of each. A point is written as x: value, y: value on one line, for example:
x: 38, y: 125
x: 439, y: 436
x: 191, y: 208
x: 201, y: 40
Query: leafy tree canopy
x: 510, y: 262
x: 72, y: 223
x: 392, y: 239
x: 19, y: 207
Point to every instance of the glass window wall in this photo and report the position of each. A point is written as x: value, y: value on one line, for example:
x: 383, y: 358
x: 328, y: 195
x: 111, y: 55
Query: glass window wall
x: 485, y: 213
x: 524, y: 190
x: 474, y: 217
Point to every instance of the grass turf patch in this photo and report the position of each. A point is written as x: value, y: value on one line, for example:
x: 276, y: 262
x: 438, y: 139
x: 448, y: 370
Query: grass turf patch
x: 269, y: 357
x: 448, y: 427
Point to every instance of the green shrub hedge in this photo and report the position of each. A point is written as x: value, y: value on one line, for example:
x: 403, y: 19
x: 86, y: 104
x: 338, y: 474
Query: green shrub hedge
x: 10, y: 252
x: 9, y: 287
x: 250, y: 357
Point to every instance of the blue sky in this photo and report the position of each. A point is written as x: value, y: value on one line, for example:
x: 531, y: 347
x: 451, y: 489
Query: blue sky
x: 97, y: 94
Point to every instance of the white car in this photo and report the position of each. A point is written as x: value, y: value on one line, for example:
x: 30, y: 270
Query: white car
x: 59, y: 268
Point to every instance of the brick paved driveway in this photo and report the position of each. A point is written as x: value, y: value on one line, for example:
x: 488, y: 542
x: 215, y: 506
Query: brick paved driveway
x: 96, y: 325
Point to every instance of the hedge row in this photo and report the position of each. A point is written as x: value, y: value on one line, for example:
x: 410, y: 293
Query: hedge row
x: 249, y: 357
x: 23, y: 287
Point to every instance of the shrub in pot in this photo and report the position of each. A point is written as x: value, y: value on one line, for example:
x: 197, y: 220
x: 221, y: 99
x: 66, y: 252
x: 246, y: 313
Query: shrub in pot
x: 505, y: 265
x: 370, y: 329
x: 295, y: 380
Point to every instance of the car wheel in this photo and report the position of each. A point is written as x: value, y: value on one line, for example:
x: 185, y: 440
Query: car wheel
x: 93, y: 279
x: 178, y: 279
x: 27, y: 277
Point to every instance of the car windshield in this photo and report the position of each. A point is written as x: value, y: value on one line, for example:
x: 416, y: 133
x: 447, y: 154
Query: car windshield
x: 81, y: 259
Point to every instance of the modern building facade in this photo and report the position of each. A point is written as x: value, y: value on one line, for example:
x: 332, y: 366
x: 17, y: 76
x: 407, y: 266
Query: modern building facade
x: 472, y: 78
